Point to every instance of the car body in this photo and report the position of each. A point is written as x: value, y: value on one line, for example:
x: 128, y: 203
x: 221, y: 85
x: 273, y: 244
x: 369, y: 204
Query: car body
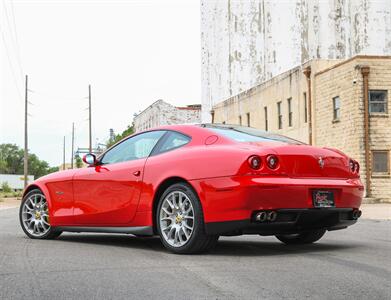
x: 246, y: 182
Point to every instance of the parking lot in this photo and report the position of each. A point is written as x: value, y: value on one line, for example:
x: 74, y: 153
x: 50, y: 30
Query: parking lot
x: 348, y: 264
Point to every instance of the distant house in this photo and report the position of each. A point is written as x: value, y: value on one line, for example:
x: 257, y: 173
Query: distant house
x: 162, y: 113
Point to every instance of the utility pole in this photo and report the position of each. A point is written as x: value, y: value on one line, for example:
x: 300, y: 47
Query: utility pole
x: 63, y: 158
x: 89, y: 118
x: 73, y: 143
x: 26, y: 159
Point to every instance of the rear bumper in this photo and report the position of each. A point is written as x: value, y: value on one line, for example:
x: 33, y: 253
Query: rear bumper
x: 238, y: 197
x: 288, y: 221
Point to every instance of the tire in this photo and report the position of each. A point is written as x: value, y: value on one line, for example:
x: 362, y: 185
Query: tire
x: 307, y: 237
x: 174, y: 222
x: 34, y: 204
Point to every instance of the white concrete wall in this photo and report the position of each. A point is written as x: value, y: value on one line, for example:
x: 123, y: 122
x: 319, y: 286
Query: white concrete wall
x: 245, y: 42
x: 162, y: 113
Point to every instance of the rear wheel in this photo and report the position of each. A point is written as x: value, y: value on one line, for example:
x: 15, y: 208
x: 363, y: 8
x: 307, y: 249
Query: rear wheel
x: 34, y: 216
x: 307, y: 237
x: 180, y: 221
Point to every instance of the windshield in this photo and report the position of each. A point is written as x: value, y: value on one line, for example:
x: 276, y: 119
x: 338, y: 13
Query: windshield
x: 248, y: 134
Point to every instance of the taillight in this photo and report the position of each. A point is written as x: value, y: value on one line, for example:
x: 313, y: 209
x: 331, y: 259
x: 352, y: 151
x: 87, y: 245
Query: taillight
x: 272, y: 161
x: 255, y: 162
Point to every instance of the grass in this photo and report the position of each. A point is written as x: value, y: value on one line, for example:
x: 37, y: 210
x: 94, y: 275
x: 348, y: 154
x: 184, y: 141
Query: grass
x: 17, y: 194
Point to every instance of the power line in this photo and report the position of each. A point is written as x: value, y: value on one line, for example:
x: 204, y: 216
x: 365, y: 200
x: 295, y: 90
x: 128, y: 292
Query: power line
x: 14, y: 35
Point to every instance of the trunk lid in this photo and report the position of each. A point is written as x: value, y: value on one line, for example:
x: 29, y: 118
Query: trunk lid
x: 305, y: 161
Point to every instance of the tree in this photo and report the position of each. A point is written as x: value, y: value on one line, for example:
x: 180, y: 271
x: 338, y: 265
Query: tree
x: 128, y: 131
x: 79, y: 162
x: 11, y: 162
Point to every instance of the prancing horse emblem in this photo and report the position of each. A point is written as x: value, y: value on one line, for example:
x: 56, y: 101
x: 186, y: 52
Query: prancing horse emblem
x: 321, y: 162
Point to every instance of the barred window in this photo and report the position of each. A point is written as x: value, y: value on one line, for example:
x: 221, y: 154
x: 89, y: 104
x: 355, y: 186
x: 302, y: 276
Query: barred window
x: 377, y: 101
x: 380, y: 161
x: 290, y: 113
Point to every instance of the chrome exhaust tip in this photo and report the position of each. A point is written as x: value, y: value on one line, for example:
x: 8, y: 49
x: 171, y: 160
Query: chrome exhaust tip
x: 261, y: 216
x: 272, y: 216
x: 356, y: 214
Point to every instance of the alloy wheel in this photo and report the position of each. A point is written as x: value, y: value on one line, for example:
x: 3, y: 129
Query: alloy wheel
x: 176, y: 219
x: 35, y: 215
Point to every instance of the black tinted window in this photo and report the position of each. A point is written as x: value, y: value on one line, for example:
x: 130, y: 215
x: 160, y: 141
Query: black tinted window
x: 139, y: 146
x: 248, y: 134
x: 174, y: 140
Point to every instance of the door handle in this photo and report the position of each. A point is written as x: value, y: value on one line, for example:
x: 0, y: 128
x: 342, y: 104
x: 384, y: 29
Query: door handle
x: 136, y: 173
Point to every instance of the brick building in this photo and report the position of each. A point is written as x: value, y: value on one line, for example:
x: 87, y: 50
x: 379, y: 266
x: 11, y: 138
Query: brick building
x: 336, y: 103
x: 162, y: 113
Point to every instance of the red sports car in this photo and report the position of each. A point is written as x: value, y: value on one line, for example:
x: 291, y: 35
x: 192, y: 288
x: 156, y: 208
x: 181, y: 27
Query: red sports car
x: 190, y: 184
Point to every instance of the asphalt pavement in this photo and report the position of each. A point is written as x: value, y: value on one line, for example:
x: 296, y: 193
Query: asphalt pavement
x: 349, y: 264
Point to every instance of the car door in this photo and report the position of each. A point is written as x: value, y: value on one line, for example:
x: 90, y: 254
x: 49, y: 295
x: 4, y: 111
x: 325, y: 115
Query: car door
x: 107, y: 194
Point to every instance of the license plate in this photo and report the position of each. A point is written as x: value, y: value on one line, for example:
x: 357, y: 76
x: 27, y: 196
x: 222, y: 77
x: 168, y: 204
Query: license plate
x: 323, y: 199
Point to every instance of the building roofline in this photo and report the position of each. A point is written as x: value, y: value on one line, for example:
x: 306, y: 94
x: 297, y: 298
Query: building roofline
x: 301, y: 66
x: 352, y: 59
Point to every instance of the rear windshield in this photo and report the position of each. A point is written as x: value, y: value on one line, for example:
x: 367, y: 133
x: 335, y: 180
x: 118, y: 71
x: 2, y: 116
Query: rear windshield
x: 248, y: 134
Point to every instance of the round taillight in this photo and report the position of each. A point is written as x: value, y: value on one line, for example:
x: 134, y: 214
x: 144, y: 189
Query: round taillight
x: 255, y: 162
x: 351, y: 165
x: 272, y: 161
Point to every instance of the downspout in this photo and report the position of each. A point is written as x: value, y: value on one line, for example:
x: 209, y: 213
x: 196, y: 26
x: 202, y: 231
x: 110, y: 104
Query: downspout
x: 307, y: 73
x: 365, y: 74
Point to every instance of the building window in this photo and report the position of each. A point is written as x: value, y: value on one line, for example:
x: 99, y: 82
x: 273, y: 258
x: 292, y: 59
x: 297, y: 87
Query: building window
x: 212, y: 113
x: 266, y: 121
x: 336, y: 108
x: 290, y: 114
x: 248, y: 119
x: 279, y: 115
x: 240, y: 120
x: 380, y: 161
x: 305, y: 107
x: 377, y: 101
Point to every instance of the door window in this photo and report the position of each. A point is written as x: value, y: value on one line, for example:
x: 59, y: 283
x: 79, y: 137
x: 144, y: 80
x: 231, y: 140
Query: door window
x: 139, y: 146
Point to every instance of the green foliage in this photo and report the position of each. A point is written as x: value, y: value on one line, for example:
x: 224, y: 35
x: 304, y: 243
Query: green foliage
x: 128, y: 131
x: 6, y: 188
x: 79, y: 162
x: 11, y: 162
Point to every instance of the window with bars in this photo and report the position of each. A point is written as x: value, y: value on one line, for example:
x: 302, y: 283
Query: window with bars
x: 248, y: 120
x: 377, y: 101
x: 381, y: 161
x: 240, y: 120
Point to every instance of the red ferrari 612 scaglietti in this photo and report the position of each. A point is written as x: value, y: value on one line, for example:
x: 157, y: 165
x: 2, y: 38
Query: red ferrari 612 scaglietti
x: 190, y: 184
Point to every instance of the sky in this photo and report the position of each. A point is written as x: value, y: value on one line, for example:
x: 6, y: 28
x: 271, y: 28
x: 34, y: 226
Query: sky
x: 131, y: 52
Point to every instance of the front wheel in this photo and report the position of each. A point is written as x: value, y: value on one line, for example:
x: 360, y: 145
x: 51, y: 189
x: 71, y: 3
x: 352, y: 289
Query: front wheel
x: 180, y: 221
x: 34, y: 216
x: 307, y: 237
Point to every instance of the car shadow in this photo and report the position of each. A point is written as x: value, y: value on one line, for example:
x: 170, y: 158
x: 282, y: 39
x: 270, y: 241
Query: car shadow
x: 225, y: 247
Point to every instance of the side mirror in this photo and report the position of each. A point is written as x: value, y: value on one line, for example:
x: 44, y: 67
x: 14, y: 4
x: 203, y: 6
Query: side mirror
x: 90, y: 159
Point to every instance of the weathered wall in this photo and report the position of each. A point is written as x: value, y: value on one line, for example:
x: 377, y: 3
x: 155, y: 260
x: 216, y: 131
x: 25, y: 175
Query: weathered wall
x: 162, y: 113
x: 245, y: 42
x: 348, y: 133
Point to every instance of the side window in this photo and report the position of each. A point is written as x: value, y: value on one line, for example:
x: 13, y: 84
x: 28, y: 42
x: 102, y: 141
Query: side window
x: 173, y: 141
x: 139, y: 146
